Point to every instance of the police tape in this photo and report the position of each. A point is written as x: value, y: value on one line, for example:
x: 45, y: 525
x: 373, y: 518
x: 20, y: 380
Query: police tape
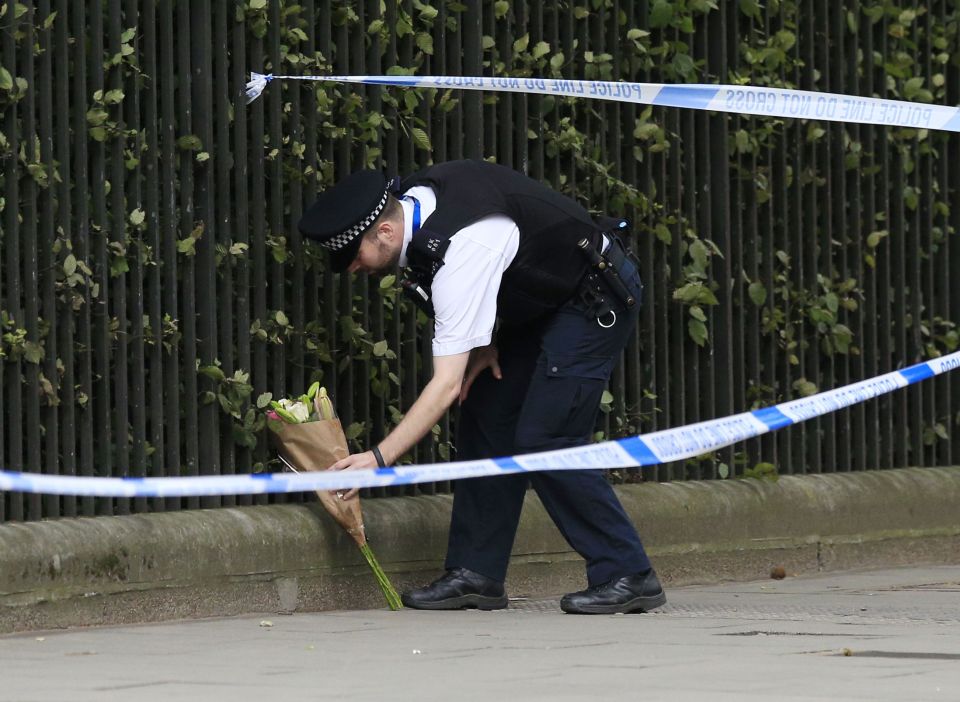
x: 737, y: 99
x: 644, y: 450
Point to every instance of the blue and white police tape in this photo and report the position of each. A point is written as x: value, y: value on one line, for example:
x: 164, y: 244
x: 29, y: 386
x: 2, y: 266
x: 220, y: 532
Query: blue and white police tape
x: 737, y: 99
x: 645, y: 450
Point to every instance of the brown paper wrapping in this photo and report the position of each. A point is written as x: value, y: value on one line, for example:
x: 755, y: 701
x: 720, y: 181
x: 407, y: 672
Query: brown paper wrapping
x: 318, y: 445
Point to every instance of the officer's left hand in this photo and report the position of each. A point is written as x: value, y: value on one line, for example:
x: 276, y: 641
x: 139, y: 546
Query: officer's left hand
x: 481, y: 358
x: 354, y: 461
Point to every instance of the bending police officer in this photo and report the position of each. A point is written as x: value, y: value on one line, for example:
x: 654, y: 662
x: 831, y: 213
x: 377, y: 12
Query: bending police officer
x: 483, y: 247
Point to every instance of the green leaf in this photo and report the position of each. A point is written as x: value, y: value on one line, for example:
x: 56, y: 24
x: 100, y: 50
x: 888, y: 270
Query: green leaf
x: 190, y: 142
x: 257, y: 4
x: 70, y: 264
x: 606, y: 398
x: 380, y: 348
x: 264, y: 400
x: 113, y: 97
x: 541, y: 49
x: 697, y: 330
x: 700, y: 255
x: 751, y: 8
x: 420, y: 139
x: 520, y: 45
x: 758, y: 293
x: 6, y: 80
x: 695, y: 294
x: 723, y: 470
x: 32, y: 352
x: 353, y: 431
x: 804, y: 387
x: 425, y: 43
x: 212, y: 372
x: 684, y: 66
x: 500, y: 8
x: 663, y: 233
x: 661, y: 14
x: 137, y: 217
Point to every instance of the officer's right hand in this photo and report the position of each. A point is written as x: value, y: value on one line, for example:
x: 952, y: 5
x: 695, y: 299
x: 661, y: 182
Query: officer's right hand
x: 481, y: 358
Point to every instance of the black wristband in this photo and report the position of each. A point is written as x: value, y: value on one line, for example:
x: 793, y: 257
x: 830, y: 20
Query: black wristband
x: 378, y: 456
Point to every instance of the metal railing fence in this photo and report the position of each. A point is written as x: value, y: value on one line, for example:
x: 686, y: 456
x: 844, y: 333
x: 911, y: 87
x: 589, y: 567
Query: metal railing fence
x: 154, y: 287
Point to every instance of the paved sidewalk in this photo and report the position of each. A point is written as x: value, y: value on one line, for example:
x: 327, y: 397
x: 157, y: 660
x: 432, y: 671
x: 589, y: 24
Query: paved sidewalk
x: 879, y: 635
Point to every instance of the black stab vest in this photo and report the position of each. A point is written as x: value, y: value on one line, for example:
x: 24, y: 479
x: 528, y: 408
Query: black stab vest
x: 548, y: 267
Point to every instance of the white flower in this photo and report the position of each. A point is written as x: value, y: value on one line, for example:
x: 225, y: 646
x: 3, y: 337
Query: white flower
x: 300, y: 410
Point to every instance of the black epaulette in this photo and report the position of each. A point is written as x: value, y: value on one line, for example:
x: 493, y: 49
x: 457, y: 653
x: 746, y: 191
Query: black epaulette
x: 424, y: 258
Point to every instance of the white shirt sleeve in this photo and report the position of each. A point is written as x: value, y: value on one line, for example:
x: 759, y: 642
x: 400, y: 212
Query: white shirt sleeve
x: 466, y: 286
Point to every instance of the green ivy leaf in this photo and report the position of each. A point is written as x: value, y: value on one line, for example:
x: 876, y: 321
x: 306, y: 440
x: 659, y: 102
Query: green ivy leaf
x: 751, y: 8
x: 661, y: 14
x: 380, y: 348
x: 758, y: 293
x: 353, y: 431
x: 698, y: 331
x: 6, y: 80
x: 212, y: 372
x: 425, y: 43
x: 695, y: 294
x: 663, y: 233
x: 420, y: 139
x: 32, y: 352
x: 874, y: 238
x: 190, y: 142
x: 264, y: 400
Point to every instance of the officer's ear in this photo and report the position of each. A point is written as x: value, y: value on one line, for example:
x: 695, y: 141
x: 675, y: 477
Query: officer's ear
x: 390, y: 232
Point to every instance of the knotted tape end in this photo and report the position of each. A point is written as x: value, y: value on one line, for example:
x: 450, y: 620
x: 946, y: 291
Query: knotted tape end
x: 256, y: 84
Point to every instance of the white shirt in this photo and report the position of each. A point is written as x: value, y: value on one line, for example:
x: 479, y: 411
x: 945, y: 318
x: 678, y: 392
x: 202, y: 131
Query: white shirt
x: 466, y: 286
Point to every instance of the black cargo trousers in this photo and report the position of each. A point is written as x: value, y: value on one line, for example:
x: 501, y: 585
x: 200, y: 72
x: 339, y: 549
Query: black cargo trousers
x: 554, y: 374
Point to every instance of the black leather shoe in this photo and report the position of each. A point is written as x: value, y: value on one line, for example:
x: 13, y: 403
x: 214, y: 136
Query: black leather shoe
x: 632, y: 593
x: 458, y: 589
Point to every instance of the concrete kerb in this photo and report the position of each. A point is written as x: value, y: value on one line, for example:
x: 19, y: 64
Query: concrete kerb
x: 284, y: 558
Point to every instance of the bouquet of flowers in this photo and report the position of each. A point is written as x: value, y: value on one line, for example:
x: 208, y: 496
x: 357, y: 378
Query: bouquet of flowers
x: 309, y: 437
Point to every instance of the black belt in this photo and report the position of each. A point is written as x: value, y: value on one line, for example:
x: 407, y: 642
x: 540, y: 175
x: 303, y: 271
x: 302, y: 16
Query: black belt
x: 606, y: 267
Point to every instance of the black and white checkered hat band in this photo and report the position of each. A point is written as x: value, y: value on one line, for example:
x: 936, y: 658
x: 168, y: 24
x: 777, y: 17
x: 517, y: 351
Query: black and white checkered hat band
x: 340, y: 240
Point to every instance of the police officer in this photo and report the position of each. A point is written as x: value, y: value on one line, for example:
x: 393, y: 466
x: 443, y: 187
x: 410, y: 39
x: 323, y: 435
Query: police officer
x: 533, y: 301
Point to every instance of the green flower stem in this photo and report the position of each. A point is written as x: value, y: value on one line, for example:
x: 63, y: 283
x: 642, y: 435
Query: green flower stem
x: 393, y: 599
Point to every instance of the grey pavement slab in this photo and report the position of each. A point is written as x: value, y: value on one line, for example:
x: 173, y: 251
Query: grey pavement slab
x: 879, y: 635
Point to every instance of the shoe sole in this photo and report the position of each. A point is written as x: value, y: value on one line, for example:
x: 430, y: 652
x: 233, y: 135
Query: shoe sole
x: 638, y: 605
x: 480, y: 602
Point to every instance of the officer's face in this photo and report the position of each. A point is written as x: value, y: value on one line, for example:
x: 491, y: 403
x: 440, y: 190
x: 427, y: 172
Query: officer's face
x: 378, y: 255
